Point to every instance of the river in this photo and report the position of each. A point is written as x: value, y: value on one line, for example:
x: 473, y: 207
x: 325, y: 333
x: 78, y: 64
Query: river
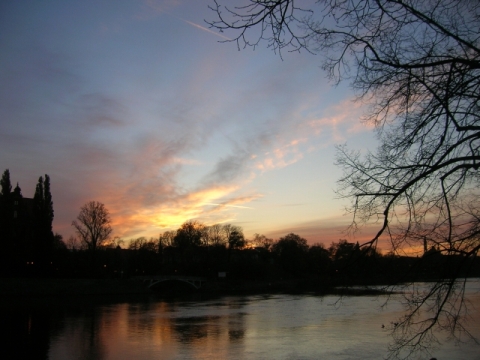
x: 275, y: 326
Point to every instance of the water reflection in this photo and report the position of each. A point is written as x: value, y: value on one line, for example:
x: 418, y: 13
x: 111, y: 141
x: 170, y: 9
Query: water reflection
x: 25, y: 335
x: 260, y: 327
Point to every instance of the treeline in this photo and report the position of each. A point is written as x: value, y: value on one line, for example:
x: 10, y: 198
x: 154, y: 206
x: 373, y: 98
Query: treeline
x: 199, y: 250
x: 30, y: 248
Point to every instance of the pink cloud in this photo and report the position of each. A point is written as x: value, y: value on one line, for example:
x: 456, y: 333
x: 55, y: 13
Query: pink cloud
x: 281, y: 157
x: 341, y: 119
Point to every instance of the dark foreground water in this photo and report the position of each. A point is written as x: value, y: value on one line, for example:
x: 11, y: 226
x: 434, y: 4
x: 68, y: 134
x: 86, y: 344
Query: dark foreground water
x: 233, y: 327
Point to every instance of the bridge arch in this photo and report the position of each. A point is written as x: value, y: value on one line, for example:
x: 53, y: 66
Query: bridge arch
x: 194, y: 282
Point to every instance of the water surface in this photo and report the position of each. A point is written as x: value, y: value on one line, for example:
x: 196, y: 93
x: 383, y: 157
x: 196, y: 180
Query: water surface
x: 231, y: 327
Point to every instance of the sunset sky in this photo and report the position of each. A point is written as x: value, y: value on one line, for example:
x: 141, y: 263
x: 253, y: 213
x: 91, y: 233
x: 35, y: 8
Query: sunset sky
x: 137, y: 105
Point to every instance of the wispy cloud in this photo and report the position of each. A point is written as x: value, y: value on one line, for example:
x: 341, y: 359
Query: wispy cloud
x: 229, y: 168
x: 99, y: 109
x: 339, y: 120
x: 226, y: 205
x: 281, y: 157
x: 202, y: 28
x: 163, y: 7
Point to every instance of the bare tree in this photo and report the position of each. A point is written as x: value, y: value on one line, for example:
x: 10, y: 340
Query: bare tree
x: 416, y: 63
x: 166, y: 239
x: 216, y: 235
x: 275, y: 22
x: 143, y: 244
x: 73, y: 243
x: 93, y: 225
x: 261, y: 241
x: 117, y: 242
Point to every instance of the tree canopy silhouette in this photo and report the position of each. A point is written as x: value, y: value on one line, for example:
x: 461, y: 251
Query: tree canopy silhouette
x: 291, y: 251
x: 189, y: 234
x: 43, y: 214
x: 416, y: 64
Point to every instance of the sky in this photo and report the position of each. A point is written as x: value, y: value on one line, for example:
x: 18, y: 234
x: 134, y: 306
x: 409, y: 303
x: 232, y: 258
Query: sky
x: 138, y: 105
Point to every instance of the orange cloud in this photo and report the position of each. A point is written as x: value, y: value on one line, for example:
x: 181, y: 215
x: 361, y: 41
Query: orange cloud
x: 209, y: 205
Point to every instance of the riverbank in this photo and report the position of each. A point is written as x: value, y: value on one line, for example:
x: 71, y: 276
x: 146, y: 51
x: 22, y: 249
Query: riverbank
x: 74, y: 287
x: 28, y: 287
x: 70, y: 287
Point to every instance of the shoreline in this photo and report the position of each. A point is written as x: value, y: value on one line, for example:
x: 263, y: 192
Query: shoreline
x: 44, y: 287
x: 21, y: 287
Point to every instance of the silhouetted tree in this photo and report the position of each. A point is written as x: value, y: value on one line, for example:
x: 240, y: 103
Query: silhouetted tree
x: 43, y: 241
x: 58, y: 243
x: 236, y: 240
x: 118, y: 242
x: 227, y: 229
x: 93, y: 225
x: 143, y: 244
x: 291, y: 251
x: 354, y: 264
x: 48, y: 204
x: 73, y: 243
x: 261, y: 241
x: 343, y: 250
x: 417, y: 64
x: 215, y: 235
x: 166, y: 239
x: 318, y: 260
x: 189, y: 234
x: 187, y: 243
x: 145, y: 258
x: 6, y: 185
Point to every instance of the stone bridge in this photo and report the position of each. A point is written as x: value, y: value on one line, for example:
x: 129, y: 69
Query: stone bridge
x: 194, y: 281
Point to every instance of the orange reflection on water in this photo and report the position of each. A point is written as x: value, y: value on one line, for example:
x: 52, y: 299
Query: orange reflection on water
x: 150, y: 330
